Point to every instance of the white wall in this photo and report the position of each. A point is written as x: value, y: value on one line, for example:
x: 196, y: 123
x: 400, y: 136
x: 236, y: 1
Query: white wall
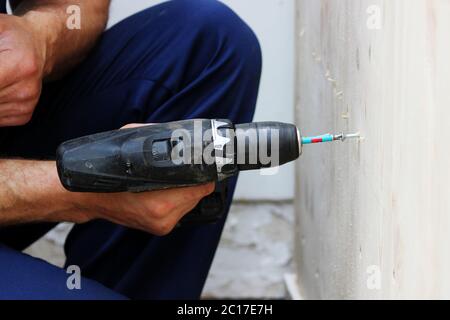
x: 374, y: 215
x: 273, y: 23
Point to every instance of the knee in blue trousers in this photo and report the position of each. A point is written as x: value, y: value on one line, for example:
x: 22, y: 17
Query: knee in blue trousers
x: 181, y: 59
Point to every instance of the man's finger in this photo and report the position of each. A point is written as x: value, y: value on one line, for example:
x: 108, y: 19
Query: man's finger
x: 196, y: 192
x: 21, y: 91
x: 15, y: 120
x: 15, y: 109
x: 136, y: 125
x: 8, y: 74
x: 8, y: 91
x: 202, y: 190
x: 179, y: 196
x: 182, y: 211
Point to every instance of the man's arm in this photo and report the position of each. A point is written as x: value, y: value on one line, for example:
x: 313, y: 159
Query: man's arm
x: 30, y: 191
x: 35, y: 45
x: 64, y: 47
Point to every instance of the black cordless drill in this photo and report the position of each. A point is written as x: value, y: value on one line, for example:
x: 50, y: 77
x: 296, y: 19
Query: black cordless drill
x: 176, y: 154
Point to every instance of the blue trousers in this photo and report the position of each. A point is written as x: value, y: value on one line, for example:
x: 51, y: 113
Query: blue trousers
x: 179, y: 60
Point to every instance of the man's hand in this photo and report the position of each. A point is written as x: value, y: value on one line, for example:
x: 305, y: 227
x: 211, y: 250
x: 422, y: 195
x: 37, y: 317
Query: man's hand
x: 22, y: 63
x: 156, y: 212
x: 36, y: 45
x: 30, y: 191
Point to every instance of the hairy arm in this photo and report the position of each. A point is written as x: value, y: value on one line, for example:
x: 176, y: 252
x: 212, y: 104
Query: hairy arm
x: 64, y: 47
x: 35, y: 44
x: 30, y: 191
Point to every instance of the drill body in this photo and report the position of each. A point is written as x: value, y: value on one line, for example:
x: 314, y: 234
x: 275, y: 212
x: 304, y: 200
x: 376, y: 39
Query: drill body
x: 175, y: 154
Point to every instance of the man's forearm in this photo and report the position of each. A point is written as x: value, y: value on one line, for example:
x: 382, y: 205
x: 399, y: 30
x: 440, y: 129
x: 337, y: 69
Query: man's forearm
x: 64, y: 47
x: 30, y: 191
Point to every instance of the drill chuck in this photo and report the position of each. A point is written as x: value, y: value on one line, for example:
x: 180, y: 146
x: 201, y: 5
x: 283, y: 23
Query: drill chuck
x: 275, y: 144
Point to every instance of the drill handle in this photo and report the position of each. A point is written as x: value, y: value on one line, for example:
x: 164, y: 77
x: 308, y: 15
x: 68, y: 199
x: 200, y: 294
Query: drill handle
x: 134, y: 160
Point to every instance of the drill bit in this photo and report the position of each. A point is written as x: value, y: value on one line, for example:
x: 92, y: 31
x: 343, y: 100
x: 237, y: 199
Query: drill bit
x: 330, y: 137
